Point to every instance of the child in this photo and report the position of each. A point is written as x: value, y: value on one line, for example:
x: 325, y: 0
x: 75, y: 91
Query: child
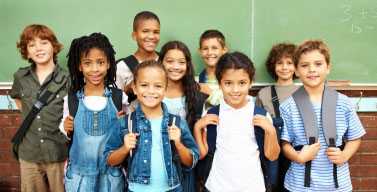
x: 91, y: 63
x: 147, y: 146
x: 146, y: 33
x: 41, y: 151
x: 280, y: 66
x: 183, y: 96
x: 333, y: 120
x: 242, y: 150
x: 211, y: 48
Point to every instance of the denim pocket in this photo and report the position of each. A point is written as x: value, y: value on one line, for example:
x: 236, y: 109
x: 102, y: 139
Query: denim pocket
x: 116, y: 179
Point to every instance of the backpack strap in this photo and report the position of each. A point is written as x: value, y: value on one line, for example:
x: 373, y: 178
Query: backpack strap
x: 116, y: 96
x: 176, y: 120
x: 130, y: 61
x: 212, y: 130
x: 277, y: 120
x: 203, y: 76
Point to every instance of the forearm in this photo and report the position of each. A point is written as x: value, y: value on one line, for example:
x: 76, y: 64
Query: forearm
x: 350, y: 148
x: 118, y: 156
x: 184, y: 154
x: 203, y: 148
x: 271, y: 144
x: 289, y: 152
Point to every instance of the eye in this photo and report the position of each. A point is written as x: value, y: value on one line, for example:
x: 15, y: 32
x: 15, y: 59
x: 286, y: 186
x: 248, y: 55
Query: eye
x: 304, y: 65
x: 44, y: 42
x: 243, y: 83
x: 31, y: 44
x: 318, y: 64
x: 156, y: 32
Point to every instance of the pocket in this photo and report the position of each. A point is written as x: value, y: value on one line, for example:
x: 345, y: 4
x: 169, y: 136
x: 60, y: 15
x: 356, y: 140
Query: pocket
x: 116, y: 179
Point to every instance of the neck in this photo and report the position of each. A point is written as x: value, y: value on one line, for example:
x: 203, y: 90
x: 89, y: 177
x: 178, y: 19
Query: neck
x: 175, y: 89
x: 315, y: 93
x: 47, y: 67
x: 142, y: 55
x: 211, y: 71
x: 283, y: 82
x: 151, y: 113
x: 94, y: 90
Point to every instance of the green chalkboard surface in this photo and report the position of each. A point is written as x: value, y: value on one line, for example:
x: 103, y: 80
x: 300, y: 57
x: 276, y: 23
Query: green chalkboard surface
x: 250, y: 26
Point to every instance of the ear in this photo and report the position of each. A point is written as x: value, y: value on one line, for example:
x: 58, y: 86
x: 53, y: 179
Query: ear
x: 225, y: 50
x: 328, y: 68
x: 133, y: 35
x: 80, y: 68
x: 133, y: 86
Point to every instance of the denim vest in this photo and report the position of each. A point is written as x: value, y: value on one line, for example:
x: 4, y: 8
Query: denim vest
x: 92, y: 130
x: 139, y: 168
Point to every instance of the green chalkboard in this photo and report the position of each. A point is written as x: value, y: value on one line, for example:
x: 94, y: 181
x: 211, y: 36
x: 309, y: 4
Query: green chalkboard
x: 250, y: 26
x: 349, y: 27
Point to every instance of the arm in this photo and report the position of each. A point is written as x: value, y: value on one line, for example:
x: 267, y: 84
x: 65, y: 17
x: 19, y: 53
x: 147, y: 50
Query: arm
x: 200, y: 132
x: 117, y: 156
x: 184, y: 143
x: 271, y: 144
x: 66, y: 124
x: 307, y: 153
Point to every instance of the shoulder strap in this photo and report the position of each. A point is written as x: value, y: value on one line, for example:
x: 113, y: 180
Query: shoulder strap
x: 212, y: 130
x: 328, y: 114
x: 203, y: 76
x: 308, y: 116
x: 275, y: 101
x: 116, y: 96
x: 73, y: 103
x: 130, y: 61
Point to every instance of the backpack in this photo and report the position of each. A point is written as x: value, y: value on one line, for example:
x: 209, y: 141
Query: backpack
x: 328, y: 118
x: 175, y: 156
x: 269, y: 168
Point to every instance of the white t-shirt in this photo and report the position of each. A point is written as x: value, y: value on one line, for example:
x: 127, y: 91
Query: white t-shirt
x: 236, y: 165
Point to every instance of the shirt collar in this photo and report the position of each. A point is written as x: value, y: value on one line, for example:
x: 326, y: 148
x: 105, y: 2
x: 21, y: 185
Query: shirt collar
x: 227, y: 107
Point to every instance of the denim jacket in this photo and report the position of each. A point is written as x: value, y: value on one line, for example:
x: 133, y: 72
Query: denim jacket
x: 140, y: 168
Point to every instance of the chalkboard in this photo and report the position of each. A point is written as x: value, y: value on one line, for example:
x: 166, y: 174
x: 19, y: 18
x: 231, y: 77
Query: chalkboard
x: 250, y: 26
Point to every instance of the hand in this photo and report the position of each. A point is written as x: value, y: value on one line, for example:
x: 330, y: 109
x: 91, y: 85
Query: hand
x: 209, y: 119
x: 336, y: 155
x: 204, y: 88
x: 308, y: 153
x: 68, y: 125
x: 130, y: 141
x: 174, y: 133
x: 263, y: 122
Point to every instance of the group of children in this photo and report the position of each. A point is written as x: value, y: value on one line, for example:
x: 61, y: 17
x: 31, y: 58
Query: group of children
x: 161, y: 130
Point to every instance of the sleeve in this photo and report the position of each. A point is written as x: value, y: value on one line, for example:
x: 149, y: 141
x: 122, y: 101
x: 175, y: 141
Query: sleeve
x: 355, y: 129
x: 286, y: 132
x: 125, y: 103
x: 15, y: 92
x: 124, y: 75
x: 215, y: 97
x: 116, y: 138
x: 258, y: 101
x: 65, y: 114
x: 189, y: 142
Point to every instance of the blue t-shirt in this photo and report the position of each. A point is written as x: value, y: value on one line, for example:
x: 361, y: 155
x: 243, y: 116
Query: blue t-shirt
x: 159, y: 178
x: 348, y: 126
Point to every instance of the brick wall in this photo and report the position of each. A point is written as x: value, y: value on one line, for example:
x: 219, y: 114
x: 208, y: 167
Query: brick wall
x: 363, y: 164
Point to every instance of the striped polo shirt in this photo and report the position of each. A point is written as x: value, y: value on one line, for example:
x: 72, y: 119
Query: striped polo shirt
x: 348, y: 126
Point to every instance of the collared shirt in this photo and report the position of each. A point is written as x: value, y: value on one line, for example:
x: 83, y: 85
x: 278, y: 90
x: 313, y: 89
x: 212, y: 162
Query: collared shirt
x: 348, y: 126
x: 43, y: 141
x: 236, y: 164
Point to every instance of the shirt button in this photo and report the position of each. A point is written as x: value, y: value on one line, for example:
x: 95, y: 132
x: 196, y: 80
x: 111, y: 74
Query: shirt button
x: 39, y: 129
x: 38, y: 117
x: 42, y: 140
x: 145, y: 161
x: 146, y: 141
x: 145, y: 181
x: 57, y: 96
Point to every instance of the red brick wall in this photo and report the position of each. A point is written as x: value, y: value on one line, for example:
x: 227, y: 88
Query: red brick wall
x: 363, y: 164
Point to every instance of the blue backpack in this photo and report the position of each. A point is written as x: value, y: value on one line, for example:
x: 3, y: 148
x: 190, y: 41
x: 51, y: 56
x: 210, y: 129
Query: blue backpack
x: 269, y: 168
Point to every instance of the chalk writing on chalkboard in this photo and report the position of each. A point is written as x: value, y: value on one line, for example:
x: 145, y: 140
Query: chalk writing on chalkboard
x: 359, y: 20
